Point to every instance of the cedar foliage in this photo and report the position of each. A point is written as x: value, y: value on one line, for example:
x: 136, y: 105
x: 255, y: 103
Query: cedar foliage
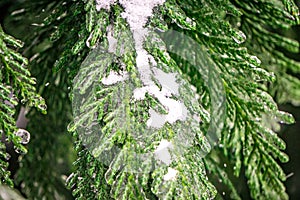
x: 242, y: 42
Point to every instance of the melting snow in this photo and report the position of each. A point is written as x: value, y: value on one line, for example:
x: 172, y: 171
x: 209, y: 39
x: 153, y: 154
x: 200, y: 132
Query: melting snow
x: 171, y: 175
x: 137, y: 12
x: 112, y: 42
x: 162, y: 152
x: 176, y: 110
x: 163, y: 144
x: 114, y: 77
x: 105, y: 4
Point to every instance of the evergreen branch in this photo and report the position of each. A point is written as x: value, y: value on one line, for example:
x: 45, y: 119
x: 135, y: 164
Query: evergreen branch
x: 250, y: 100
x: 87, y: 181
x: 80, y: 28
x: 215, y: 169
x: 54, y: 87
x: 120, y: 119
x: 191, y: 181
x: 264, y: 42
x: 16, y: 83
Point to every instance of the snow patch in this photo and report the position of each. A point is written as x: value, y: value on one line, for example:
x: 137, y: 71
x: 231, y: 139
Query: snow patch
x: 163, y: 144
x: 176, y: 110
x: 137, y: 11
x: 104, y: 4
x: 114, y: 77
x: 162, y: 152
x: 167, y: 80
x: 112, y: 42
x: 171, y: 175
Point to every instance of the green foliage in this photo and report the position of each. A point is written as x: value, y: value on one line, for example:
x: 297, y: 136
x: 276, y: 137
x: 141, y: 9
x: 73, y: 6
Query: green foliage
x: 245, y: 48
x: 16, y: 84
x: 246, y: 140
x: 87, y: 181
x: 267, y: 44
x: 43, y: 170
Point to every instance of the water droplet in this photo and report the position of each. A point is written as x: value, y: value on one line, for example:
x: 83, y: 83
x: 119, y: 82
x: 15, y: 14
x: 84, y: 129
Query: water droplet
x: 223, y: 193
x: 206, y: 34
x: 225, y: 165
x: 239, y: 37
x: 190, y: 22
x: 23, y: 101
x: 71, y: 127
x: 24, y: 135
x: 255, y: 60
x: 47, y: 84
x: 8, y: 156
x: 20, y: 151
x: 14, y: 100
x: 284, y: 117
x: 42, y: 107
x: 33, y: 80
